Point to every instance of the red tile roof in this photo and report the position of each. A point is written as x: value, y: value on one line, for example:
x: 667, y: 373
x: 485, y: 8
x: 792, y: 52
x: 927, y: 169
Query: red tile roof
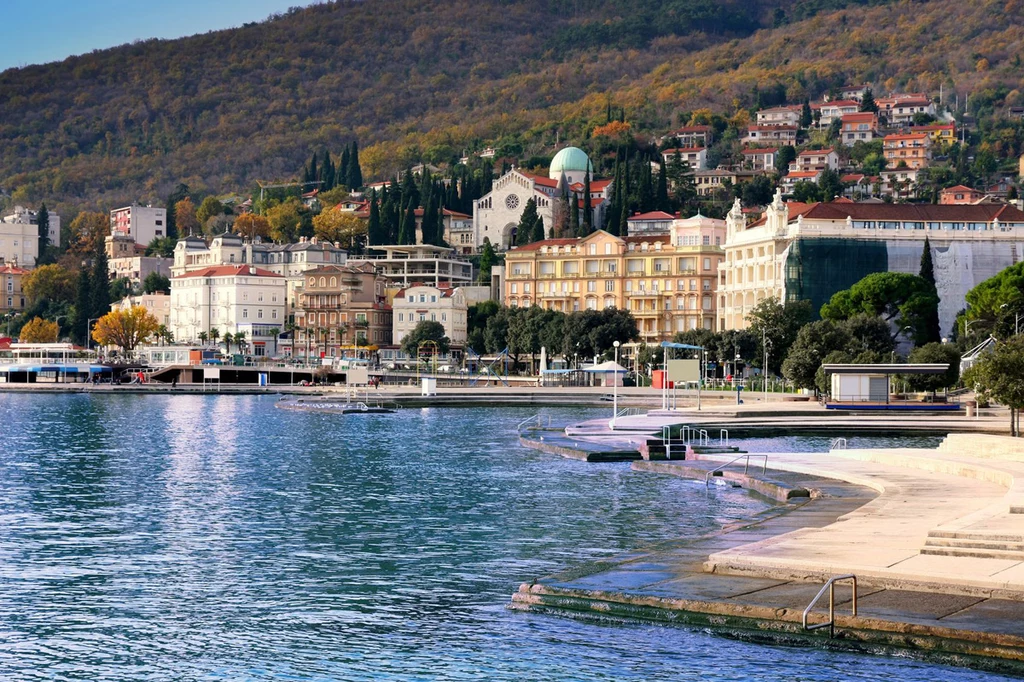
x: 760, y: 150
x: 815, y: 152
x: 229, y: 271
x: 652, y: 215
x: 803, y: 174
x: 860, y: 116
x: 683, y: 150
x: 693, y: 129
x: 842, y: 103
x: 446, y: 292
x: 959, y: 188
x: 640, y: 238
x: 9, y: 269
x: 917, y: 212
x: 541, y: 179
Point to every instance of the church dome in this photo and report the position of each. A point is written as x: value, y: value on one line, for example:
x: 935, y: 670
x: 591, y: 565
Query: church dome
x: 571, y: 161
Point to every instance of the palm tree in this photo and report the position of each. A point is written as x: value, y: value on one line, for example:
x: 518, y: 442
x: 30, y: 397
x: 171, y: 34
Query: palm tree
x: 203, y: 337
x: 240, y: 341
x: 214, y: 335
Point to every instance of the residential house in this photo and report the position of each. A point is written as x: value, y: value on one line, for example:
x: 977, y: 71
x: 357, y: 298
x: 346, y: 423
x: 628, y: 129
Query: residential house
x: 692, y: 136
x: 900, y: 183
x: 960, y: 194
x: 815, y: 160
x: 13, y: 298
x: 696, y: 157
x: 788, y: 115
x: 126, y: 260
x: 760, y: 159
x: 858, y: 186
x: 861, y: 126
x: 900, y: 109
x: 944, y: 133
x: 709, y: 182
x: 855, y: 92
x: 907, y: 150
x: 650, y: 223
x: 445, y: 305
x: 8, y: 234
x: 231, y: 299
x: 341, y: 308
x: 830, y: 111
x: 789, y: 181
x: 774, y: 135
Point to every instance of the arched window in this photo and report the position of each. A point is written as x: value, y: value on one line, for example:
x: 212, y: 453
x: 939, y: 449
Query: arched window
x: 323, y: 281
x: 334, y: 281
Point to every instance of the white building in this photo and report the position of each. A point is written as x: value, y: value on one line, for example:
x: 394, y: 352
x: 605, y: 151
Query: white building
x: 158, y: 305
x: 810, y: 251
x: 496, y: 214
x: 426, y: 264
x: 413, y: 305
x: 652, y: 222
x: 19, y: 236
x: 696, y: 157
x: 125, y: 259
x: 230, y: 299
x: 141, y: 223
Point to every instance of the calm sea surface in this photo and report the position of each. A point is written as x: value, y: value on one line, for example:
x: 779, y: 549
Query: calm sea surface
x: 217, y: 538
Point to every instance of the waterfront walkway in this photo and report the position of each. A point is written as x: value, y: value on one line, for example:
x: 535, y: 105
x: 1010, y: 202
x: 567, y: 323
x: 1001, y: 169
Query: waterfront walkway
x: 935, y: 538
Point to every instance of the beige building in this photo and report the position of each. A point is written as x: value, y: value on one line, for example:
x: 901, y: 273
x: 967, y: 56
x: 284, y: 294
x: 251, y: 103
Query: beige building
x: 810, y: 251
x: 424, y: 303
x: 158, y: 305
x: 666, y: 281
x: 19, y: 236
x: 126, y: 260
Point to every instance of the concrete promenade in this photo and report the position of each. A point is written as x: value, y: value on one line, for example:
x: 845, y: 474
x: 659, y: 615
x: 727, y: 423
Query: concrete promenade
x: 935, y: 538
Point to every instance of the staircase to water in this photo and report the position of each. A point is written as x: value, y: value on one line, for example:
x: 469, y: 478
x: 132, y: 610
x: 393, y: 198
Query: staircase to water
x: 975, y: 544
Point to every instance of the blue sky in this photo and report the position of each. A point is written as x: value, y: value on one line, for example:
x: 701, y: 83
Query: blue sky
x: 40, y: 31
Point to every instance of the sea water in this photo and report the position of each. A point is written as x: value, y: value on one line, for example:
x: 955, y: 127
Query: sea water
x: 218, y: 538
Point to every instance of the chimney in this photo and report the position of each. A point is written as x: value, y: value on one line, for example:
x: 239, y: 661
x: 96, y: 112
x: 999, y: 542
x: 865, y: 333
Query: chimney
x: 678, y: 214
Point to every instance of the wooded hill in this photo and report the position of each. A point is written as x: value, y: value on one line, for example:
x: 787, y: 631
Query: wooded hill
x: 425, y: 80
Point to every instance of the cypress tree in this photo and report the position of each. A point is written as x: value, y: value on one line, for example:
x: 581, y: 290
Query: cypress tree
x: 537, y: 233
x: 99, y: 285
x: 588, y: 211
x: 573, y: 205
x: 312, y: 173
x: 82, y: 307
x: 927, y: 268
x: 43, y: 220
x: 662, y: 200
x: 355, y: 173
x: 328, y: 172
x: 427, y: 227
x: 373, y: 227
x: 407, y: 229
x: 343, y: 170
x: 439, y: 229
x: 527, y: 221
x: 623, y: 217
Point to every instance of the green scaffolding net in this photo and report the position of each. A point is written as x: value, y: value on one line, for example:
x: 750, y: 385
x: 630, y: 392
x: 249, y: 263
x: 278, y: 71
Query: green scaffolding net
x: 819, y: 267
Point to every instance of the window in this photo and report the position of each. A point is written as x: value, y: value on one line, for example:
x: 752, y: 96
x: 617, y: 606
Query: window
x: 593, y: 247
x: 259, y: 314
x: 526, y: 287
x: 433, y: 317
x: 591, y: 286
x: 259, y: 297
x: 515, y: 288
x: 609, y: 285
x: 629, y: 285
x: 433, y: 298
x: 608, y: 249
x: 273, y: 314
x: 707, y: 264
x: 444, y: 317
x: 245, y: 313
x: 401, y: 317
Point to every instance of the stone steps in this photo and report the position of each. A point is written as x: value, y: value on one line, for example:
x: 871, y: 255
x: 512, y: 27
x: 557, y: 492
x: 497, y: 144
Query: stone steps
x: 973, y: 553
x: 976, y: 544
x: 981, y: 536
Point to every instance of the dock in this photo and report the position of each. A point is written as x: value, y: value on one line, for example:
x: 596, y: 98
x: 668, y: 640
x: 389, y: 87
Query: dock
x: 935, y: 539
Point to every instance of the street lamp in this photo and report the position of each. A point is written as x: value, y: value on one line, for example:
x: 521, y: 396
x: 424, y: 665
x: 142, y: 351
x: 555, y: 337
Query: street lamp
x: 967, y: 325
x: 1016, y: 321
x: 88, y: 332
x: 764, y: 369
x: 615, y: 386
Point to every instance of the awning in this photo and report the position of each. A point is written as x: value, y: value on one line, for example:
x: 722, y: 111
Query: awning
x: 680, y: 346
x: 610, y: 366
x: 886, y: 368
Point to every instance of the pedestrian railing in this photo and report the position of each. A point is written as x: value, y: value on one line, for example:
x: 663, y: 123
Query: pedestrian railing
x: 537, y: 421
x: 746, y: 465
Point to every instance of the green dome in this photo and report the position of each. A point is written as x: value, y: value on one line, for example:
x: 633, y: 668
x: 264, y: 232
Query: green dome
x: 569, y: 160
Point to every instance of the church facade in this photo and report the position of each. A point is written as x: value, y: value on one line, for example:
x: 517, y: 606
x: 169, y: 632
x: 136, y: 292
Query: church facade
x: 496, y: 215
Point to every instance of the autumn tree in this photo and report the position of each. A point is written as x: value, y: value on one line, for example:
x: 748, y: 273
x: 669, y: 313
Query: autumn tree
x: 125, y: 329
x: 210, y: 207
x: 343, y: 227
x: 49, y: 282
x: 251, y: 225
x: 285, y: 221
x: 185, y: 217
x: 38, y: 330
x: 88, y: 231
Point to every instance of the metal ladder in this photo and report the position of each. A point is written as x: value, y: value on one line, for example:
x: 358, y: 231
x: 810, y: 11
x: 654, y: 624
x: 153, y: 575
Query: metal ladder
x: 746, y: 465
x: 837, y: 444
x: 831, y: 587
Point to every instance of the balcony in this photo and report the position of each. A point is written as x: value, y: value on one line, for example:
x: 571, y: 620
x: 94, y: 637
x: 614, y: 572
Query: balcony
x: 519, y: 275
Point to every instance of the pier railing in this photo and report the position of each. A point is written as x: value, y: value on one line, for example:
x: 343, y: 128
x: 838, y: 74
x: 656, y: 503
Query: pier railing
x: 746, y: 465
x: 830, y: 587
x: 837, y: 444
x: 537, y: 421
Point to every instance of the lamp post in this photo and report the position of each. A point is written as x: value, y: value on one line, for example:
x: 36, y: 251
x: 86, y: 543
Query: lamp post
x: 764, y: 369
x: 1016, y: 321
x: 88, y: 332
x: 967, y: 325
x: 615, y: 386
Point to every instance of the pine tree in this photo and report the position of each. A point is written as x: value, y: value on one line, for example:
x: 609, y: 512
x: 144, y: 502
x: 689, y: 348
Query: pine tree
x: 867, y: 103
x: 927, y: 268
x: 355, y: 173
x: 588, y: 210
x: 374, y: 235
x: 524, y: 231
x: 43, y: 221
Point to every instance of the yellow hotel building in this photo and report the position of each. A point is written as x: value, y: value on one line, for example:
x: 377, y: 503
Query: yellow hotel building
x: 667, y: 281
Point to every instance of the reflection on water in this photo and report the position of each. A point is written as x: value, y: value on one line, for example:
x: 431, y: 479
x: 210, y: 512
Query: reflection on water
x: 214, y: 537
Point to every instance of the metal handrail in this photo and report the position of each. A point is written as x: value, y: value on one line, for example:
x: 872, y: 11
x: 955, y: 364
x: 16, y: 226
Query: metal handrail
x: 707, y: 477
x: 831, y: 587
x: 837, y: 444
x: 629, y: 412
x: 539, y: 418
x: 723, y: 437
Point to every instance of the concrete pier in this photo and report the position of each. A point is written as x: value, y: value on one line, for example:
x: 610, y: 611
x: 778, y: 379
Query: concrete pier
x: 935, y: 538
